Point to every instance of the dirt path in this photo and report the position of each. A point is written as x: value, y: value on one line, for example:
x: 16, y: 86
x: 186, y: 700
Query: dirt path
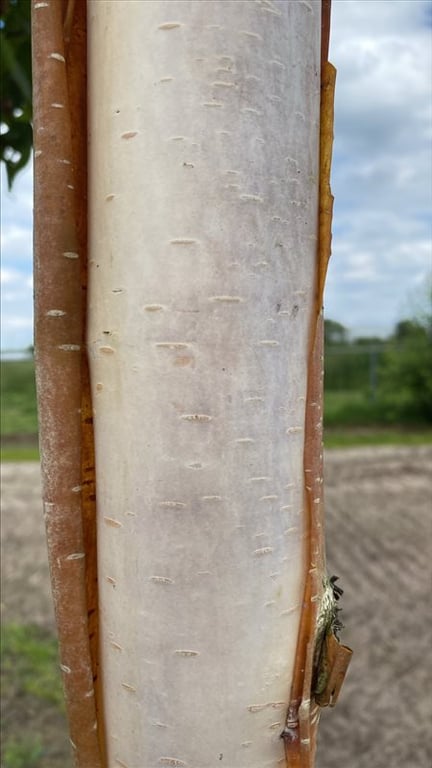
x: 26, y: 596
x: 379, y: 525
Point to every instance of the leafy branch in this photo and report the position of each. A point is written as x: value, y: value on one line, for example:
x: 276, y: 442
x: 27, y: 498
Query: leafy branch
x: 16, y: 135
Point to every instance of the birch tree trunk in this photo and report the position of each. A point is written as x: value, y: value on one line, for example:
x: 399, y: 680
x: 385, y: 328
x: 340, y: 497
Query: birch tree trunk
x: 187, y: 379
x: 204, y: 150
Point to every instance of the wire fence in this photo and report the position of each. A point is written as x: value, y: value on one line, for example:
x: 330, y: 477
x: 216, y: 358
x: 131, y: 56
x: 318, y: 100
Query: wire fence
x: 365, y: 367
x: 348, y: 367
x: 388, y: 382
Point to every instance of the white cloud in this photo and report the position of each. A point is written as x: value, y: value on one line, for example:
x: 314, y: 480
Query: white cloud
x: 360, y: 266
x: 8, y: 276
x: 16, y: 272
x: 16, y: 240
x: 382, y: 169
x: 18, y: 322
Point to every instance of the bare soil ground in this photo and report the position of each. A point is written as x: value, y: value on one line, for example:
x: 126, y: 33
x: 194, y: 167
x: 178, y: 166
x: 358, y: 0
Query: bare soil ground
x: 379, y: 528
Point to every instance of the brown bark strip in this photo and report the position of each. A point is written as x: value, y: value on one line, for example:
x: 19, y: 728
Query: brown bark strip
x: 300, y: 732
x: 75, y: 29
x: 303, y: 714
x: 325, y: 31
x: 328, y: 82
x: 59, y: 244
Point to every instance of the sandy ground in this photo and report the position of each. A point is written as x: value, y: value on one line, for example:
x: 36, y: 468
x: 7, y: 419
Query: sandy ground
x: 379, y: 527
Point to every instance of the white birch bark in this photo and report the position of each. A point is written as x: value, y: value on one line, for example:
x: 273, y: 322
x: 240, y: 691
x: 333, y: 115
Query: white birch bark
x: 204, y: 132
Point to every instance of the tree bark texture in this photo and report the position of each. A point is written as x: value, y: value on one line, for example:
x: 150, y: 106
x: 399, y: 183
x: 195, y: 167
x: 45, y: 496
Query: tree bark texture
x: 65, y: 414
x: 204, y: 165
x: 200, y: 338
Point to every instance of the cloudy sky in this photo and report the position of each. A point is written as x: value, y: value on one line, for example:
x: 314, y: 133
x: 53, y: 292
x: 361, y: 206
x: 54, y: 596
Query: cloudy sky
x: 382, y: 176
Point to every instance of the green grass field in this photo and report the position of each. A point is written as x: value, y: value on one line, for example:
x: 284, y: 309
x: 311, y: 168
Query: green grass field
x: 18, y: 411
x: 351, y: 418
x: 350, y: 408
x: 34, y: 731
x: 18, y: 398
x: 358, y: 437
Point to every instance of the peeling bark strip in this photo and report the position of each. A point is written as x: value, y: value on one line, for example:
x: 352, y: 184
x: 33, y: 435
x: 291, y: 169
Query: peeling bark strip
x: 328, y: 82
x: 300, y: 732
x: 59, y: 44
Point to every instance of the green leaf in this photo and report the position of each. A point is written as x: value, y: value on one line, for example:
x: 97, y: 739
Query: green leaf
x: 16, y: 95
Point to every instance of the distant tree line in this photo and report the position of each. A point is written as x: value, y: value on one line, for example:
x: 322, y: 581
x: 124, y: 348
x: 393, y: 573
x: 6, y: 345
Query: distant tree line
x: 395, y: 373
